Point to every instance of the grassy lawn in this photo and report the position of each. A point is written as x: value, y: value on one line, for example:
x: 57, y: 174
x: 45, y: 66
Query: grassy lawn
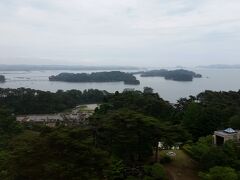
x: 182, y: 167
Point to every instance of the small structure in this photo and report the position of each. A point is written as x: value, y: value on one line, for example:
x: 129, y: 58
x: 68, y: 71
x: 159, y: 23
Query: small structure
x: 175, y: 146
x: 77, y: 116
x: 220, y: 137
x: 48, y: 119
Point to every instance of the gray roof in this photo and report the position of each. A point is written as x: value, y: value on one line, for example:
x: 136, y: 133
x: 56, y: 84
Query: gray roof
x: 229, y: 130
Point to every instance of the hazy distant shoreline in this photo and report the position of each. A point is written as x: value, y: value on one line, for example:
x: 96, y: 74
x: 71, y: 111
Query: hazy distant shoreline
x: 26, y: 67
x: 220, y: 66
x: 4, y: 67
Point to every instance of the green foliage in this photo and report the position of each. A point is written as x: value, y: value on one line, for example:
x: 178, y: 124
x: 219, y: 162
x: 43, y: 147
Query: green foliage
x: 8, y: 126
x: 120, y: 137
x: 129, y: 135
x: 215, y: 156
x: 29, y: 101
x: 112, y: 76
x: 209, y: 155
x: 234, y: 121
x: 219, y: 173
x: 154, y: 172
x: 126, y: 134
x: 201, y: 121
x: 4, y: 156
x: 165, y: 159
x: 147, y: 90
x: 145, y: 103
x: 201, y: 147
x: 60, y: 154
x: 116, y: 169
x: 188, y: 149
x: 158, y: 171
x: 209, y: 111
x: 176, y: 75
x: 204, y: 114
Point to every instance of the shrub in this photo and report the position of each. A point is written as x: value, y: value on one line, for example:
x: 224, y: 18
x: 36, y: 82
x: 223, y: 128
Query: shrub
x: 219, y: 173
x: 165, y: 159
x: 155, y: 171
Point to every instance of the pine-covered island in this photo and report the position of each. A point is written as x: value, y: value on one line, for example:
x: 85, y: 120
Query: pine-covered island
x: 112, y: 76
x: 2, y: 79
x: 176, y: 75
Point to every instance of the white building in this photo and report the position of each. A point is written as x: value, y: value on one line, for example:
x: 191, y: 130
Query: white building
x: 220, y: 137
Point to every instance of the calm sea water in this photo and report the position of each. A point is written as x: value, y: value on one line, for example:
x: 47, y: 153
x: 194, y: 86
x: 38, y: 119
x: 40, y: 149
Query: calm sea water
x: 213, y: 79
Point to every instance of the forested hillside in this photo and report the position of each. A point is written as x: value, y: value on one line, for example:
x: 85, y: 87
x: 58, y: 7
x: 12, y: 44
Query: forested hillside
x: 30, y: 101
x: 121, y: 138
x: 112, y: 76
x: 176, y: 75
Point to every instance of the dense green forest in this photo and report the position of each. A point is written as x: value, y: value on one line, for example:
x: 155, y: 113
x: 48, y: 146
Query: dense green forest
x: 121, y: 138
x: 30, y: 101
x: 112, y: 76
x: 176, y: 75
x: 2, y: 78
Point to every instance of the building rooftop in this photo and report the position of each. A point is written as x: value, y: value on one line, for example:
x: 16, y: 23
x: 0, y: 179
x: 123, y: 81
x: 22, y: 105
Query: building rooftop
x: 230, y: 130
x: 227, y: 132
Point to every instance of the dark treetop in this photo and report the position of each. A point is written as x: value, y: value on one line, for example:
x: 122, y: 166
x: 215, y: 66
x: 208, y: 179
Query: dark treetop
x: 113, y: 76
x: 176, y: 75
x: 30, y: 101
x: 2, y: 78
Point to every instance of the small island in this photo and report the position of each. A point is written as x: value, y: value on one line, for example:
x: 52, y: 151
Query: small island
x: 112, y: 76
x: 176, y: 75
x: 2, y: 79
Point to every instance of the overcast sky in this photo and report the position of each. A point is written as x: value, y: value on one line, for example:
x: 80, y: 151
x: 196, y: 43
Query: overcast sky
x: 120, y: 32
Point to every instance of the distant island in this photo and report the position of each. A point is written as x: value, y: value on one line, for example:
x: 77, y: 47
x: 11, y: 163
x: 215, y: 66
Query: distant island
x: 112, y: 76
x: 176, y: 75
x: 221, y: 66
x: 2, y: 79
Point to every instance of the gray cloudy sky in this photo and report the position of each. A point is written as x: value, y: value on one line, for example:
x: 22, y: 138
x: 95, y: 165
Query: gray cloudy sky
x: 120, y: 32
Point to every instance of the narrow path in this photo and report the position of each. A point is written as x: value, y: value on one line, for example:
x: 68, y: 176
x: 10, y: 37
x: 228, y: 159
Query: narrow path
x: 182, y: 167
x: 170, y: 175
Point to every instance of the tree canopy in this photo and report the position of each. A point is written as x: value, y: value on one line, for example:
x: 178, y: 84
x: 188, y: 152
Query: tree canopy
x: 120, y: 139
x: 176, y: 75
x: 112, y: 76
x: 30, y: 101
